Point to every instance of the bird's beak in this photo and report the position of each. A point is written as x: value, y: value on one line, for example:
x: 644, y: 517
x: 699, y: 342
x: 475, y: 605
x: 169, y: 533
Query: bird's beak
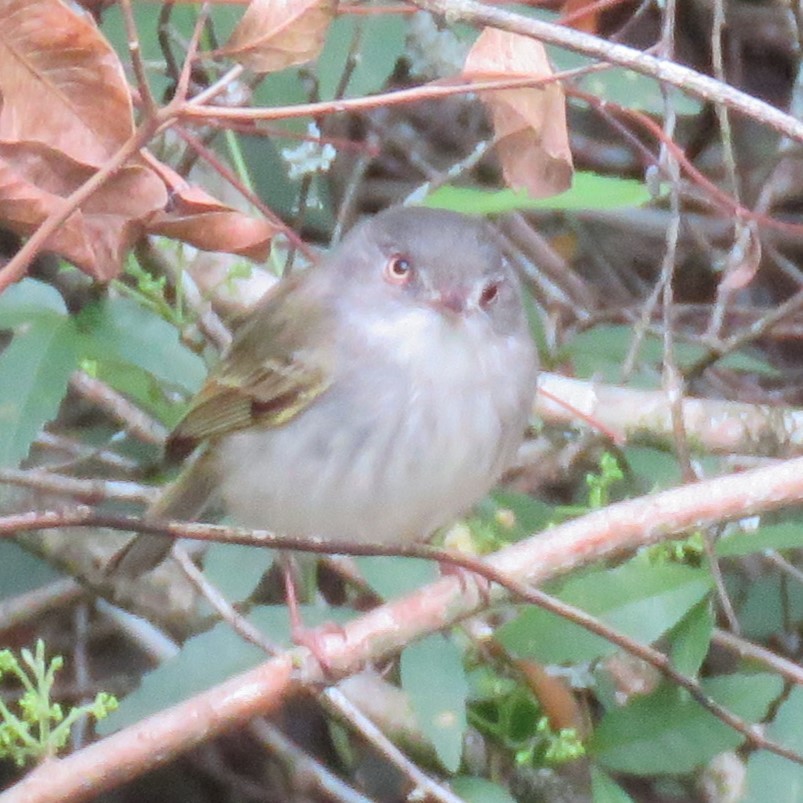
x: 450, y: 301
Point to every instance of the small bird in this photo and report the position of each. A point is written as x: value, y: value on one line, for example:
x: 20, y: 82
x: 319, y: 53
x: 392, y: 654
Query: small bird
x: 373, y: 398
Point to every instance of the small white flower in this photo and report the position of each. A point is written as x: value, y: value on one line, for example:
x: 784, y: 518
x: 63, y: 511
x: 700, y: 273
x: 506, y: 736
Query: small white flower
x: 432, y: 51
x: 310, y: 157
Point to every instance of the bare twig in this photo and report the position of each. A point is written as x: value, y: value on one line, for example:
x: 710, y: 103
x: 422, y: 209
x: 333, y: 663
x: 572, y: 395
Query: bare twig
x: 26, y: 607
x: 683, y: 78
x: 317, y: 779
x: 90, y: 491
x: 336, y: 701
x: 225, y: 609
x: 77, y: 453
x: 755, y: 652
x: 119, y: 407
x: 145, y: 94
x: 603, y: 533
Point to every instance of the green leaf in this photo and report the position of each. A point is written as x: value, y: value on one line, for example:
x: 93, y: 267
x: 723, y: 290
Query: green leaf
x: 480, y: 790
x: 202, y: 662
x: 120, y: 330
x: 788, y: 535
x: 601, y: 351
x: 605, y: 790
x: 641, y: 600
x: 588, y: 191
x: 235, y: 569
x: 691, y: 639
x: 769, y: 605
x: 531, y: 514
x: 182, y: 22
x: 746, y: 363
x: 433, y: 677
x: 143, y: 389
x: 653, y: 469
x: 771, y: 777
x: 34, y: 371
x: 379, y: 42
x: 27, y: 300
x: 392, y: 577
x: 211, y: 658
x: 668, y: 732
x: 20, y: 571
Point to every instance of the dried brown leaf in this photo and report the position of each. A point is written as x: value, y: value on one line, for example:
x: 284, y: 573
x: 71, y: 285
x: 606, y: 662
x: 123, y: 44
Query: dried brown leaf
x: 230, y: 231
x: 529, y: 123
x: 275, y: 34
x: 34, y: 181
x: 201, y: 220
x: 62, y: 84
x: 575, y: 15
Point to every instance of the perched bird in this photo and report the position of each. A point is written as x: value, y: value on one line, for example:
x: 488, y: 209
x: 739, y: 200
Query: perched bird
x: 372, y: 398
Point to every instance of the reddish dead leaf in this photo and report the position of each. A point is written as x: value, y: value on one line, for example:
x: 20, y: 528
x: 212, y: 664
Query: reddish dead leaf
x: 557, y: 699
x: 200, y: 219
x: 62, y: 83
x: 226, y: 230
x: 275, y: 34
x: 190, y: 197
x: 34, y: 181
x: 529, y: 123
x: 575, y: 16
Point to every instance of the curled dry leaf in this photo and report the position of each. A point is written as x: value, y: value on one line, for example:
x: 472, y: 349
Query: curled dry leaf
x: 197, y: 218
x: 225, y: 230
x: 62, y: 83
x: 744, y: 258
x: 557, y: 698
x: 34, y: 181
x: 275, y: 34
x: 529, y: 123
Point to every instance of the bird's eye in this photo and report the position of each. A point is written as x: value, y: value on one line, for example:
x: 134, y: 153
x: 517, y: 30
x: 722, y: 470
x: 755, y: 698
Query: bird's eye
x: 489, y: 294
x: 398, y: 270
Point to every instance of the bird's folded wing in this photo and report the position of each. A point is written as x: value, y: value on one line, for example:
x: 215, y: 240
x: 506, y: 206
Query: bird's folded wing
x: 268, y: 377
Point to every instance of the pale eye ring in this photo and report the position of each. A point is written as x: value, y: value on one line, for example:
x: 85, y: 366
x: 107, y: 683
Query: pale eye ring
x: 398, y: 269
x: 489, y: 294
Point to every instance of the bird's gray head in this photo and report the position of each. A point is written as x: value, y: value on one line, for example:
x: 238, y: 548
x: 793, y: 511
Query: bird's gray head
x: 447, y: 261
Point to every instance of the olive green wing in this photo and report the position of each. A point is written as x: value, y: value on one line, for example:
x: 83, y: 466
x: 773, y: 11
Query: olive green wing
x: 270, y: 373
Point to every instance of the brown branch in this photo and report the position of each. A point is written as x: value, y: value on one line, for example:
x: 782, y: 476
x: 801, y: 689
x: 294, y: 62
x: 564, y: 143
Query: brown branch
x: 434, y: 91
x: 602, y: 534
x: 685, y: 79
x: 721, y: 427
x: 90, y: 491
x: 749, y: 651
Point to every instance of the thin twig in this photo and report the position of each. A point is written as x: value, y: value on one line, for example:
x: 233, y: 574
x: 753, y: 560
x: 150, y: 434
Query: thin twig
x: 685, y: 79
x: 381, y: 632
x: 600, y: 534
x: 225, y: 609
x: 90, y: 491
x: 24, y: 608
x: 755, y: 652
x: 135, y: 421
x: 337, y: 701
x: 134, y: 50
x: 317, y: 782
